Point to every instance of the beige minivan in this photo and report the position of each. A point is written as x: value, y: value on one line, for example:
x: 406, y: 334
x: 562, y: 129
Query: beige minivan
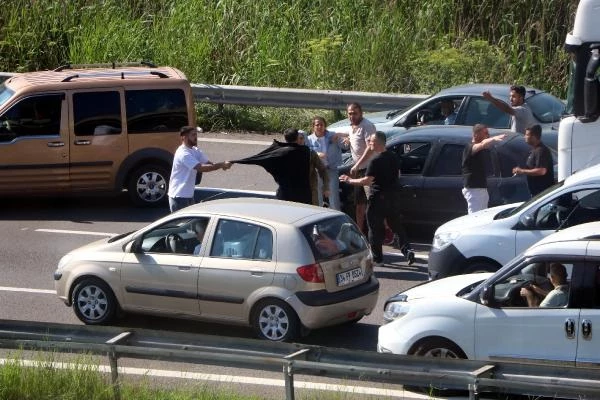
x: 91, y: 129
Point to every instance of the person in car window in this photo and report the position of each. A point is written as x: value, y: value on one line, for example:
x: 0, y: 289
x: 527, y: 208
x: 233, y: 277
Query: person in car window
x: 522, y: 118
x: 188, y: 160
x: 557, y: 297
x: 473, y: 168
x: 539, y: 168
x: 382, y: 177
x: 447, y: 108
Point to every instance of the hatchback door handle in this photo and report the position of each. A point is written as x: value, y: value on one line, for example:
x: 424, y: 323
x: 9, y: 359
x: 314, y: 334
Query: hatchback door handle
x: 570, y: 328
x: 586, y: 329
x: 56, y: 144
x: 83, y: 142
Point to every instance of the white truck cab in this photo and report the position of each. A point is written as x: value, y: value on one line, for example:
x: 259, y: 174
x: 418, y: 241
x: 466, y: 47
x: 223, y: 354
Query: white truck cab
x: 579, y: 133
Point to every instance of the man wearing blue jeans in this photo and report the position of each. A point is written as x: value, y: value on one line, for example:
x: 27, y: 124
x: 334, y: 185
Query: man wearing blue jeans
x: 328, y: 145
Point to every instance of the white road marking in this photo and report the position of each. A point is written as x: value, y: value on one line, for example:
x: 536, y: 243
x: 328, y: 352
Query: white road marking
x: 26, y: 290
x: 68, y: 232
x: 419, y: 255
x: 399, y: 394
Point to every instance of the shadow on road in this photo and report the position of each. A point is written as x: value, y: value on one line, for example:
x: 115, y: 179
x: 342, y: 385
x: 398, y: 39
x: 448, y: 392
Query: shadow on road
x: 357, y: 336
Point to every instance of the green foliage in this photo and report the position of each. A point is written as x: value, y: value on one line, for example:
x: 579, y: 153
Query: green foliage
x: 404, y: 46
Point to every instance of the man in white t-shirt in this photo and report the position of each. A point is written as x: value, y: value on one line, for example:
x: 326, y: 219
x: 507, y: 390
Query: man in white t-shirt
x: 522, y: 118
x: 188, y: 160
x: 361, y: 131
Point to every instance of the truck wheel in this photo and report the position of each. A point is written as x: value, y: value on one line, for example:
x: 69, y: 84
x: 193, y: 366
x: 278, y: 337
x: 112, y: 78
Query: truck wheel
x: 481, y: 266
x: 148, y: 185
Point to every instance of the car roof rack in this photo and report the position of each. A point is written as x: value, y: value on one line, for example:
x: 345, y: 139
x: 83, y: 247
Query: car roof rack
x: 122, y: 74
x: 112, y: 65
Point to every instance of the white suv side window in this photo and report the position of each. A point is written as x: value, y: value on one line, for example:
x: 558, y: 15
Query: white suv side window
x: 536, y: 284
x: 569, y: 209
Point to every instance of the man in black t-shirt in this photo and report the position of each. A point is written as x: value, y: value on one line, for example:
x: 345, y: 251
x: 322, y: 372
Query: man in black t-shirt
x: 382, y: 177
x: 539, y: 166
x: 473, y: 168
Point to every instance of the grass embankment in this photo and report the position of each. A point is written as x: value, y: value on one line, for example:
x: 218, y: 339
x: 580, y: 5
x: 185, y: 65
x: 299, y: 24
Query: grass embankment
x: 83, y: 378
x: 397, y: 46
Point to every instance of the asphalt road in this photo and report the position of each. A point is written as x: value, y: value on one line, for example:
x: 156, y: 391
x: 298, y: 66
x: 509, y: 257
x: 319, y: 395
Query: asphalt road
x: 36, y: 233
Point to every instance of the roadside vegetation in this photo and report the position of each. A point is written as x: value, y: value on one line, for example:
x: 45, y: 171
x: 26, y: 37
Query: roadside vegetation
x: 389, y: 46
x: 82, y: 378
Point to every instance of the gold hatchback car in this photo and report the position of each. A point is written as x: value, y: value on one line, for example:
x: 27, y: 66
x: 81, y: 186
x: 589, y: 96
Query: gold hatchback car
x: 283, y: 268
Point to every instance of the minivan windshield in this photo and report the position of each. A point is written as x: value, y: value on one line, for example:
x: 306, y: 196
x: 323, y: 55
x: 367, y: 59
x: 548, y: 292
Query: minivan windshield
x: 5, y: 94
x: 334, y: 238
x: 526, y: 204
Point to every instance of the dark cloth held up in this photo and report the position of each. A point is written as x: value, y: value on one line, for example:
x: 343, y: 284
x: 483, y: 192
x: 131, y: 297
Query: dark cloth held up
x: 289, y: 164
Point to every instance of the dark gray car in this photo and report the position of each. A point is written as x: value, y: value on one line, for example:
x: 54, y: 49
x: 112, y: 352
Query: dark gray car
x: 431, y: 179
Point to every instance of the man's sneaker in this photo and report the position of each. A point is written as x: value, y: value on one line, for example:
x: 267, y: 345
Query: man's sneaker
x: 378, y: 264
x: 408, y: 254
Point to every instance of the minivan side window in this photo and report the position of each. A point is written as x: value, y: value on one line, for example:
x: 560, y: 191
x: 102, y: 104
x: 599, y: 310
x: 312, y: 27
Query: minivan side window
x: 97, y: 113
x: 32, y: 116
x: 159, y: 110
x: 536, y: 285
x: 569, y: 209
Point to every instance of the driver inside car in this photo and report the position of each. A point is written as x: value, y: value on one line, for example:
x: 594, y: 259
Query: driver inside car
x: 557, y: 297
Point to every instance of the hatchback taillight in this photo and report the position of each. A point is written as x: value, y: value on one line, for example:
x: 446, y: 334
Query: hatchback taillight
x: 311, y: 273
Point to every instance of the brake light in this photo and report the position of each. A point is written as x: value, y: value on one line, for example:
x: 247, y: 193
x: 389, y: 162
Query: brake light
x: 311, y: 273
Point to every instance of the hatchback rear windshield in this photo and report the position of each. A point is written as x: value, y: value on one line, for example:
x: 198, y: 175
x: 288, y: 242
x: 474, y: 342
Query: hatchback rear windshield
x: 334, y: 238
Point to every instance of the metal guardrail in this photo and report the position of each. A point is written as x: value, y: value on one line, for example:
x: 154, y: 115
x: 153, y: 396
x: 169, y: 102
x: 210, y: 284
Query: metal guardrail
x: 301, y: 98
x: 293, y: 98
x: 292, y: 359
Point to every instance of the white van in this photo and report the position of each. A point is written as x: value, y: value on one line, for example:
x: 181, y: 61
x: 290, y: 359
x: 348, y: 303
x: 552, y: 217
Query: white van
x: 486, y: 240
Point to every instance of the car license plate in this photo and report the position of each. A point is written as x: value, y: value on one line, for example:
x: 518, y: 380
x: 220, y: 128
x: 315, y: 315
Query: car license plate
x: 346, y: 278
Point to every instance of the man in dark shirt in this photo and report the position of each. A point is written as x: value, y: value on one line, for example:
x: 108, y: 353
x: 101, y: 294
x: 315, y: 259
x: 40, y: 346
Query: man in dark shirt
x: 473, y: 168
x: 539, y: 167
x: 289, y: 163
x: 382, y: 177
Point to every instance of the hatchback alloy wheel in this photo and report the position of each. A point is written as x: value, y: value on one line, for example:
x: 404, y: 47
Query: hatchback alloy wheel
x: 276, y: 321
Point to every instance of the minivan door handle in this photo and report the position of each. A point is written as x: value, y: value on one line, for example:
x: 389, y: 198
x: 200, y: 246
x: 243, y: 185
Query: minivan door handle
x: 83, y: 142
x: 586, y: 329
x: 570, y: 328
x: 56, y: 144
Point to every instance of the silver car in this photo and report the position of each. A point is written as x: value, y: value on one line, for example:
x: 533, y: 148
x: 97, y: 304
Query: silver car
x: 281, y: 267
x: 470, y: 108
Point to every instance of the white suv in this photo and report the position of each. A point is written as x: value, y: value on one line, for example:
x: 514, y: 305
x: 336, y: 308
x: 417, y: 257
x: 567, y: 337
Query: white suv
x: 493, y: 319
x: 486, y: 240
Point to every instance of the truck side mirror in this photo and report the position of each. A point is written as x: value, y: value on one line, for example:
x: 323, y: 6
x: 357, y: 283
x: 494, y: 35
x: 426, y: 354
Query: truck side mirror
x: 591, y: 86
x: 135, y: 246
x: 527, y: 220
x: 486, y: 296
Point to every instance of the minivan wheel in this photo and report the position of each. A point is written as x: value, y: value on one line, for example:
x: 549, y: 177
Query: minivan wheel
x: 275, y: 320
x: 94, y: 302
x: 148, y: 185
x: 481, y: 266
x: 439, y: 348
